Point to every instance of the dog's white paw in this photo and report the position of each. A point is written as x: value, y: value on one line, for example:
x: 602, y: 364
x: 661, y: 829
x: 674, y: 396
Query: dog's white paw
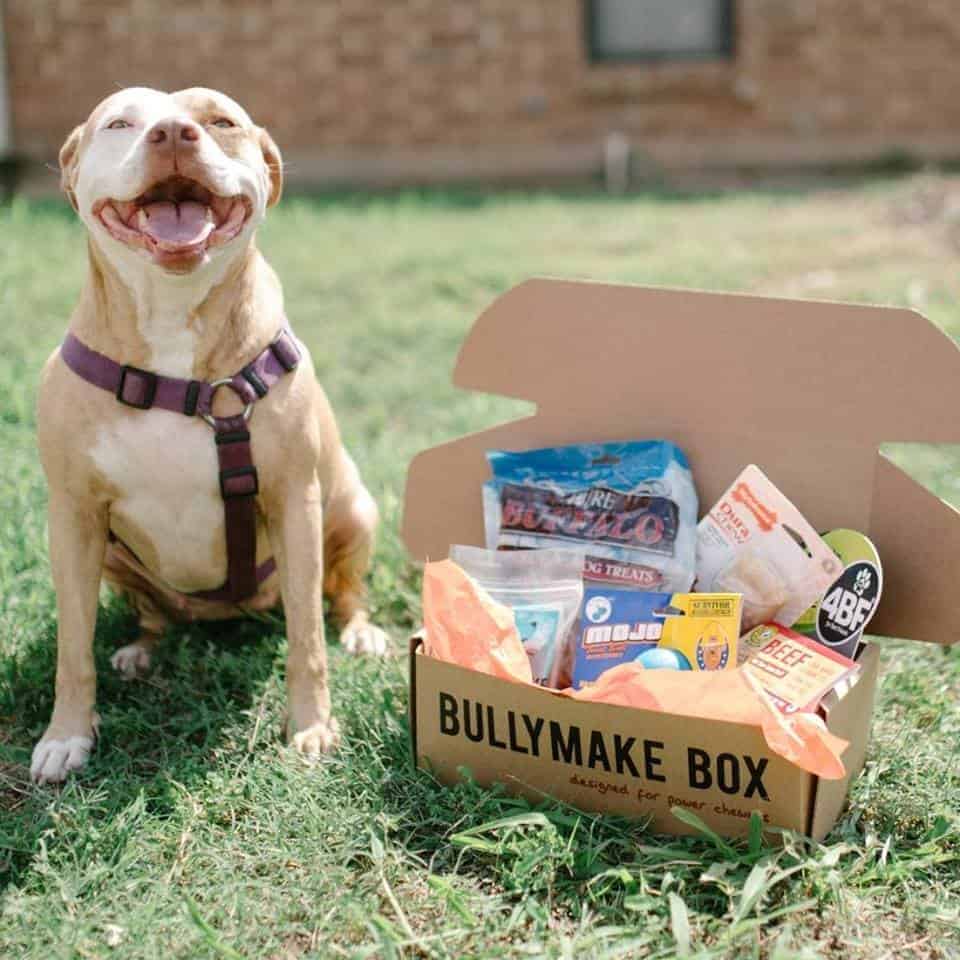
x: 54, y: 759
x: 361, y: 638
x: 318, y: 738
x: 131, y: 661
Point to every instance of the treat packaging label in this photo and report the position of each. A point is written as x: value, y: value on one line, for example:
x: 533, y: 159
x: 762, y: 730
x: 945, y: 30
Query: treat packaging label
x: 793, y: 669
x: 618, y: 625
x: 539, y: 626
x: 595, y: 515
x: 840, y: 616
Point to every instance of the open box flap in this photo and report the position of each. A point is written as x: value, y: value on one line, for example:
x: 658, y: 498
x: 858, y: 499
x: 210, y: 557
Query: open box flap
x: 806, y: 390
x: 918, y: 537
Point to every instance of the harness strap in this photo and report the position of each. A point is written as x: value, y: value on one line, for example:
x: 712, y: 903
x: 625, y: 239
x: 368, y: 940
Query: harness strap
x: 239, y: 483
x: 143, y: 389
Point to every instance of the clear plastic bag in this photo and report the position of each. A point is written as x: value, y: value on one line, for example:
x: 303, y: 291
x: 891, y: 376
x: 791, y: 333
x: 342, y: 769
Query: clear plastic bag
x: 543, y: 588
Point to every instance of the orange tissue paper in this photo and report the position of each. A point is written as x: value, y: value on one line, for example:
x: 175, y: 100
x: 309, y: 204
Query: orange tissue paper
x: 465, y: 626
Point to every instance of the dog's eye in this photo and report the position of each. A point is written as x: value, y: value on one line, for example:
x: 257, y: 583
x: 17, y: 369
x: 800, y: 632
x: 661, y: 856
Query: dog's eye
x: 118, y: 125
x: 223, y: 122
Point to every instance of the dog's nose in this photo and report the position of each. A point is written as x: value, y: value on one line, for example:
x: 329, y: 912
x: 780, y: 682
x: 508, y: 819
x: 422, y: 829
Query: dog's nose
x: 174, y: 131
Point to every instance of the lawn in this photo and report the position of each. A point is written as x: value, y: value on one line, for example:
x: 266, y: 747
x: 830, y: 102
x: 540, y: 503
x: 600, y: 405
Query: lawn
x: 195, y: 833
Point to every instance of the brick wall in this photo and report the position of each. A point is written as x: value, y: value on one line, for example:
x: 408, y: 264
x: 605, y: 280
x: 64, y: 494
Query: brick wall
x: 432, y: 89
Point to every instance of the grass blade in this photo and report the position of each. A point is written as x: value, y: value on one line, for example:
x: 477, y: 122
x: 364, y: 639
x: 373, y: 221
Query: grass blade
x: 692, y: 820
x: 209, y: 934
x: 680, y: 925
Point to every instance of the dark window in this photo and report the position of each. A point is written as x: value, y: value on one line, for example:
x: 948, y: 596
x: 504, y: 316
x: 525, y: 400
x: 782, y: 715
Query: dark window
x: 659, y: 29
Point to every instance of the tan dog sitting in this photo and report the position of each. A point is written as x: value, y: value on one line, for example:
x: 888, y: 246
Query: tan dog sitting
x: 158, y: 482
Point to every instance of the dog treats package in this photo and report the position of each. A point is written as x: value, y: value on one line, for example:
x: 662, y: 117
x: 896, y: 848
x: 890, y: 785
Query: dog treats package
x: 543, y: 588
x: 680, y: 631
x: 631, y: 507
x: 794, y: 670
x: 840, y: 616
x: 754, y: 541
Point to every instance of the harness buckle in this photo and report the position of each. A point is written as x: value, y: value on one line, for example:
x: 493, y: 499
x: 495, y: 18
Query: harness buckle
x: 285, y: 351
x: 143, y: 387
x: 207, y: 414
x: 245, y: 488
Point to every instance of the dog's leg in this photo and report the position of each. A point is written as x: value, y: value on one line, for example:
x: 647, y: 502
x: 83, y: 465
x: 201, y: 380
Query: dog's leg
x: 78, y: 537
x: 351, y: 524
x: 133, y: 660
x: 295, y: 523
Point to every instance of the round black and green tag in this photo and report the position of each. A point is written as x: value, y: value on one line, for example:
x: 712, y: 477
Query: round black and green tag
x: 838, y: 618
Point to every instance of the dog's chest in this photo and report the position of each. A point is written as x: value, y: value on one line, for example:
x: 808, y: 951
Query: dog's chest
x: 167, y: 507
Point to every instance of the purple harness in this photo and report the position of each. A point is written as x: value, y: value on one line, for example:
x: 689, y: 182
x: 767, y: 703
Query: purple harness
x: 238, y: 476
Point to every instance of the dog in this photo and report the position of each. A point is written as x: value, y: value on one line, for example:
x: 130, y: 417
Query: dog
x: 171, y: 188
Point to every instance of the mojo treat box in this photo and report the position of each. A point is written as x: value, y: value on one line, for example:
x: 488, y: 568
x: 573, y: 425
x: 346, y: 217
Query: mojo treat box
x: 732, y: 380
x: 618, y: 625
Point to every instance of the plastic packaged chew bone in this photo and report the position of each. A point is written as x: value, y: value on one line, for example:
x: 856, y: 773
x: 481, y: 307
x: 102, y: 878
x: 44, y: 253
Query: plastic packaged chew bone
x: 543, y: 588
x: 754, y: 541
x: 632, y: 507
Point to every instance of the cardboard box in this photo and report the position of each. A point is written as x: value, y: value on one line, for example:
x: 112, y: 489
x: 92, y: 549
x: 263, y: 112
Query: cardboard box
x: 806, y: 390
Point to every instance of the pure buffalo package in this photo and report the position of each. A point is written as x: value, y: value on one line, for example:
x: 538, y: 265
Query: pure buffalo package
x: 632, y: 507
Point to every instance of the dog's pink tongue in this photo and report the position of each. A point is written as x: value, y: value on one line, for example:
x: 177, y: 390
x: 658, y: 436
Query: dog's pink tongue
x: 175, y: 224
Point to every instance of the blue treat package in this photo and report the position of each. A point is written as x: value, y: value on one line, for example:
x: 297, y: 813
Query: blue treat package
x: 632, y: 507
x: 617, y: 626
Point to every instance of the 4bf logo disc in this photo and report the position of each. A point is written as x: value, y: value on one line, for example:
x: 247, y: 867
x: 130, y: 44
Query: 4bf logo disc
x: 848, y: 605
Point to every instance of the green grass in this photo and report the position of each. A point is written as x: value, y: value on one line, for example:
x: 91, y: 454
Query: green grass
x: 195, y: 833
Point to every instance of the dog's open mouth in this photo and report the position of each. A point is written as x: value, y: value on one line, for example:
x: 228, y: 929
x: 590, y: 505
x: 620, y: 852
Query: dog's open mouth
x: 175, y: 221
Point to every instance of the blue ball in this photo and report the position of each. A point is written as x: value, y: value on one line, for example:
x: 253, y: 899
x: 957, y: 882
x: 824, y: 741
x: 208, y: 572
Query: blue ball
x: 663, y: 658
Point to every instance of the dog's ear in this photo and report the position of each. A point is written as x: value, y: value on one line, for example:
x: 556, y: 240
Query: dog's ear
x: 271, y: 157
x: 68, y: 163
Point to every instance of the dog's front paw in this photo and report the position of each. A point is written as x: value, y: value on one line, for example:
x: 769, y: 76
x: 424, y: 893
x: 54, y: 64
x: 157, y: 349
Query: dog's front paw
x: 320, y: 737
x: 131, y: 661
x: 56, y: 756
x: 361, y: 638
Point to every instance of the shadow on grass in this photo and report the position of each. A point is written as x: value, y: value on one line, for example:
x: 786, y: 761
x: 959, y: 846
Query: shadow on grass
x: 157, y: 735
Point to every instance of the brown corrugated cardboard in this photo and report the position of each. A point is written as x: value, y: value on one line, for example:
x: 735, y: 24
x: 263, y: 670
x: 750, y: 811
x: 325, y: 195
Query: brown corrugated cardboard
x: 806, y: 390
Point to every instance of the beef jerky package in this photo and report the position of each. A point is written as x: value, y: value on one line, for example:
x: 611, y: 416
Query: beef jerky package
x: 544, y: 590
x: 795, y: 671
x: 630, y: 507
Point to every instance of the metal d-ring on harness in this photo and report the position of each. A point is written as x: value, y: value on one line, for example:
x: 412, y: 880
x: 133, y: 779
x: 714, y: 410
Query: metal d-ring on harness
x: 239, y: 483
